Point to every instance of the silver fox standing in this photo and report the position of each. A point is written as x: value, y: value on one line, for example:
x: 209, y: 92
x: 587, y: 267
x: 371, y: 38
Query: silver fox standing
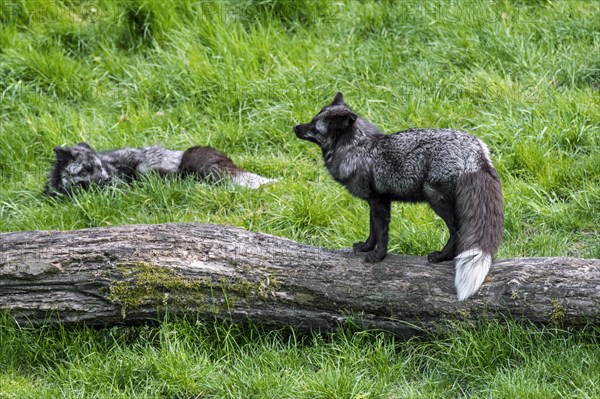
x: 448, y: 169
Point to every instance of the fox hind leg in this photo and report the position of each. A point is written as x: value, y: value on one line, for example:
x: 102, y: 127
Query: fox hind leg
x: 445, y: 210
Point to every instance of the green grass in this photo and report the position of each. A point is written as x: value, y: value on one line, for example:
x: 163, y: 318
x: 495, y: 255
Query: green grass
x: 523, y: 76
x: 184, y: 359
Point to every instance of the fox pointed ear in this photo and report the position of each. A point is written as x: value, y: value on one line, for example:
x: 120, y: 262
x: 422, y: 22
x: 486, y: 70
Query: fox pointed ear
x: 352, y: 118
x: 338, y: 99
x: 344, y: 121
x: 63, y: 153
x: 84, y: 145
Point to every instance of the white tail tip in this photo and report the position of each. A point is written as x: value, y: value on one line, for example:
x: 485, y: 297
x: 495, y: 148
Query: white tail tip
x: 251, y: 180
x: 472, y: 266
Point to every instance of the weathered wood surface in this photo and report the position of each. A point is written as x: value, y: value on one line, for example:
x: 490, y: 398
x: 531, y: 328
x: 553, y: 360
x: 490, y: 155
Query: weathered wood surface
x: 134, y: 273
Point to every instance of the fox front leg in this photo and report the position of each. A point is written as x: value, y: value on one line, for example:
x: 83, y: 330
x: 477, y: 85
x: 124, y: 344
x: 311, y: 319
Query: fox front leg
x: 380, y: 211
x: 366, y: 246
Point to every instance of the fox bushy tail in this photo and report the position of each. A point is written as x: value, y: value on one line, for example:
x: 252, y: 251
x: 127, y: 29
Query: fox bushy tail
x: 480, y: 215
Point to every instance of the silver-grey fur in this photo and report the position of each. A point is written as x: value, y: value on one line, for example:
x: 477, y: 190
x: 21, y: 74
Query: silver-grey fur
x: 449, y: 169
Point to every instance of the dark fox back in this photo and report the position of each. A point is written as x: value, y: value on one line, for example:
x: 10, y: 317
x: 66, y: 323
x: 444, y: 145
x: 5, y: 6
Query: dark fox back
x: 207, y: 163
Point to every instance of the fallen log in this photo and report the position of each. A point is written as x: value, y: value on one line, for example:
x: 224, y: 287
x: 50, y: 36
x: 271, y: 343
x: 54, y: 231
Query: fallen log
x: 135, y: 273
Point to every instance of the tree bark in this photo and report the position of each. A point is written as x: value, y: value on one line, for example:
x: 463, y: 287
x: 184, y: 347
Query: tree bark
x: 135, y: 273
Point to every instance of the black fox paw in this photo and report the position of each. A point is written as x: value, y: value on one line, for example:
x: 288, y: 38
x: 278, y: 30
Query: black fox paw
x: 437, y: 256
x: 374, y: 256
x: 362, y: 247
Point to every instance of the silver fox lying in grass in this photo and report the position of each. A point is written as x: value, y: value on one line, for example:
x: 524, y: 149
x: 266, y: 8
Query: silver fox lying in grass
x: 81, y: 166
x: 450, y: 170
